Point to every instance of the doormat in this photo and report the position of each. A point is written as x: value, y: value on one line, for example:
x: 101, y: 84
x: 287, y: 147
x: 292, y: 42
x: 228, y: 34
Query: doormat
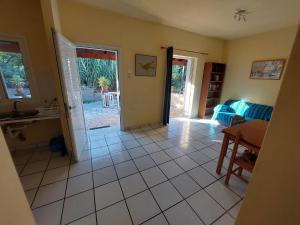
x: 95, y: 128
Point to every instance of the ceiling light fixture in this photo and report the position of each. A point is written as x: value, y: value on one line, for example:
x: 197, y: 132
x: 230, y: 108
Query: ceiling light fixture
x: 240, y: 14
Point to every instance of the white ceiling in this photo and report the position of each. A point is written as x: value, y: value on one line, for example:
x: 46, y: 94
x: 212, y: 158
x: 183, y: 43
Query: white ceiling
x: 209, y: 17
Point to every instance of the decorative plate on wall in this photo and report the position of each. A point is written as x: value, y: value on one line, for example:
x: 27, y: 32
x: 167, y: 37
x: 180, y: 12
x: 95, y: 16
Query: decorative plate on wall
x: 145, y: 65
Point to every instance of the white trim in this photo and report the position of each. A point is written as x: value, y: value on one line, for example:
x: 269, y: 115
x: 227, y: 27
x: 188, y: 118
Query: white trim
x: 118, y: 51
x: 28, y: 70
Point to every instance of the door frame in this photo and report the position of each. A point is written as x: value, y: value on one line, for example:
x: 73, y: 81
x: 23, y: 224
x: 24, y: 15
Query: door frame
x: 120, y: 80
x: 187, y: 107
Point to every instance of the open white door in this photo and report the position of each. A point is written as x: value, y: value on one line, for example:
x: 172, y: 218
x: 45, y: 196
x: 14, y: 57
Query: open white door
x: 70, y: 81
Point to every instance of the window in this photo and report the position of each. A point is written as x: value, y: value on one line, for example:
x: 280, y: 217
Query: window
x: 13, y: 76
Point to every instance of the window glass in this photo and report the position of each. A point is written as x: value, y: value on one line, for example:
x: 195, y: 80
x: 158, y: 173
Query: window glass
x: 12, y: 71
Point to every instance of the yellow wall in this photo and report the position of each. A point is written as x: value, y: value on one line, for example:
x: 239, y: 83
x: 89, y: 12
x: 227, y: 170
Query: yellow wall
x: 273, y: 196
x: 242, y: 52
x: 24, y: 19
x: 142, y: 96
x: 14, y: 208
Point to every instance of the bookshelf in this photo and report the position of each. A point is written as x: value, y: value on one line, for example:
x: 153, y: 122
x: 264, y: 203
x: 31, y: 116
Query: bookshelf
x: 211, y: 89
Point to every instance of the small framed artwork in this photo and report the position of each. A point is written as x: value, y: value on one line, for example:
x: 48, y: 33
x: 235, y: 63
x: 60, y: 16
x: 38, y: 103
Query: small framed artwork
x: 145, y: 65
x: 267, y: 69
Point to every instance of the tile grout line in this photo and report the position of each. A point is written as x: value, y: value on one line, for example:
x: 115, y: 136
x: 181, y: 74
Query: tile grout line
x: 121, y: 188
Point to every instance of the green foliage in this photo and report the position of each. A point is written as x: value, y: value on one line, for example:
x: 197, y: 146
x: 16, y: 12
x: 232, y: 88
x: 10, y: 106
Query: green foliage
x: 11, y: 65
x: 91, y: 70
x: 17, y: 81
x: 178, y: 78
x: 103, y: 82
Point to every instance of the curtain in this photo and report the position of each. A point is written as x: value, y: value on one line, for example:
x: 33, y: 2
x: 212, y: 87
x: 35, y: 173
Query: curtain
x: 167, y: 101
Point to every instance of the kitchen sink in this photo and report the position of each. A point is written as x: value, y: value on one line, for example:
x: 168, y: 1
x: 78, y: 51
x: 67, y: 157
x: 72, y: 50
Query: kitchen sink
x: 18, y: 115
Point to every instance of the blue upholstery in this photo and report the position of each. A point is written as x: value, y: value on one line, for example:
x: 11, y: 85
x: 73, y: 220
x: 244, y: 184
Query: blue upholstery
x: 225, y: 112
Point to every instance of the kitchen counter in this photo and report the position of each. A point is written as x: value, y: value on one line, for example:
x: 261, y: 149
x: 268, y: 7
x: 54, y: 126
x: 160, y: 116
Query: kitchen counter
x: 27, y: 119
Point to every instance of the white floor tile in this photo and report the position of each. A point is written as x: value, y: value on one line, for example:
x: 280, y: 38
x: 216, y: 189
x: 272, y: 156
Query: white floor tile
x: 81, y: 167
x: 131, y: 144
x: 237, y: 185
x: 182, y: 214
x: 166, y: 195
x: 116, y: 214
x: 78, y: 206
x: 59, y: 162
x: 125, y: 169
x: 101, y: 162
x: 234, y: 212
x: 205, y: 207
x: 87, y: 220
x: 151, y: 148
x: 79, y: 184
x: 210, y: 153
x: 31, y: 181
x: 140, y: 211
x: 30, y: 195
x: 40, y: 155
x: 104, y: 176
x: 137, y: 152
x: 165, y: 144
x: 97, y: 144
x: 132, y: 184
x: 120, y: 157
x: 174, y: 152
x: 186, y: 163
x: 49, y: 214
x: 54, y: 175
x: 201, y: 176
x: 199, y: 157
x: 50, y: 193
x: 157, y: 220
x: 108, y: 194
x: 171, y: 169
x: 160, y: 157
x: 34, y: 167
x: 185, y: 185
x: 116, y: 147
x: 112, y: 140
x: 225, y: 220
x: 211, y: 168
x: 223, y: 195
x: 145, y: 140
x: 99, y: 152
x: 153, y: 176
x: 144, y: 163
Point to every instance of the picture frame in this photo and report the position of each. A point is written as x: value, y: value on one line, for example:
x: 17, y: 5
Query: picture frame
x: 145, y: 65
x: 267, y: 69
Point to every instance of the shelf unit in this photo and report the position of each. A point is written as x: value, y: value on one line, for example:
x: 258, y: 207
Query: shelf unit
x: 211, y: 89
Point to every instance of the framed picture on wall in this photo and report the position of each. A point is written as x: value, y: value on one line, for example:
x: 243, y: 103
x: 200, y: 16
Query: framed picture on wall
x: 145, y: 65
x: 267, y: 69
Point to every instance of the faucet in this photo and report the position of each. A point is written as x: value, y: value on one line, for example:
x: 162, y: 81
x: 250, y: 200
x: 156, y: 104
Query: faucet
x: 15, y: 111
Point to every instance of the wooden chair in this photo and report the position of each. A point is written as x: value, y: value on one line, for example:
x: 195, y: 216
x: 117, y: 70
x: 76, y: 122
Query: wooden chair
x: 245, y: 160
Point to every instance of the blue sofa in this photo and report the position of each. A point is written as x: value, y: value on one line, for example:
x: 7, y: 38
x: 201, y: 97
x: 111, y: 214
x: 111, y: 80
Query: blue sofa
x: 225, y: 112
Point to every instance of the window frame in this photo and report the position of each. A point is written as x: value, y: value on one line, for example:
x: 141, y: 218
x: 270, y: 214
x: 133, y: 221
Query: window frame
x: 4, y: 98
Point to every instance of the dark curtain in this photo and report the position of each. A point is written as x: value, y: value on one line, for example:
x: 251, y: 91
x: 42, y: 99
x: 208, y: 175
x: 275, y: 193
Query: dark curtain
x: 167, y: 102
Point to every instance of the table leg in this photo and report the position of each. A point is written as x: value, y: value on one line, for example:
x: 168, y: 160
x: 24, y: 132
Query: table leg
x: 222, y: 153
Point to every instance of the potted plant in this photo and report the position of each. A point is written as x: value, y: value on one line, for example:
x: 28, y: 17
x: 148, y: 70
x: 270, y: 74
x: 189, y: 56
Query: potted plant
x: 103, y: 83
x: 19, y: 83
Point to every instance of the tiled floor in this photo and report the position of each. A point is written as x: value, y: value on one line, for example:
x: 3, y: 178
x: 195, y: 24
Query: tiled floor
x: 151, y: 176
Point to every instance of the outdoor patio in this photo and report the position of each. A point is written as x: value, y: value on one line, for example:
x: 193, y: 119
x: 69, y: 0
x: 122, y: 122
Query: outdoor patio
x: 177, y: 104
x: 98, y: 116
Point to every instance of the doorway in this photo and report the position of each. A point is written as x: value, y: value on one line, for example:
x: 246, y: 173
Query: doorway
x: 99, y: 84
x: 182, y: 69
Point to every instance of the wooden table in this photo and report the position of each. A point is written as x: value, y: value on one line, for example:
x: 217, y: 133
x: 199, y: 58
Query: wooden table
x: 252, y: 134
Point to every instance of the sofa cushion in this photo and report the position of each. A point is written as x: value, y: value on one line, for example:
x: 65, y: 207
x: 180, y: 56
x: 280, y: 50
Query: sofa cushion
x: 224, y: 118
x: 257, y: 111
